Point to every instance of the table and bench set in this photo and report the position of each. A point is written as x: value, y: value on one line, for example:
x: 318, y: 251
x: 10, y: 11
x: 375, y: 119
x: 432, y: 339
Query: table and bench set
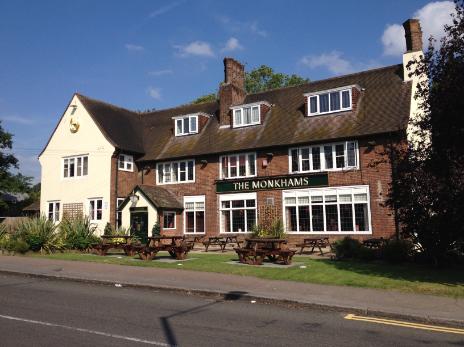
x: 254, y: 252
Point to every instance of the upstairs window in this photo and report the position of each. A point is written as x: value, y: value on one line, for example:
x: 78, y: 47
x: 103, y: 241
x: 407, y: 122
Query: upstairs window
x: 238, y: 165
x: 75, y: 166
x: 246, y: 115
x: 176, y: 172
x: 186, y: 125
x: 126, y: 162
x: 326, y: 157
x: 329, y: 102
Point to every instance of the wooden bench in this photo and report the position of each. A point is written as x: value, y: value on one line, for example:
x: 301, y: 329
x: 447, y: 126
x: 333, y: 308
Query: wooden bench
x: 285, y: 256
x: 147, y: 253
x: 313, y: 243
x: 250, y: 256
x: 215, y: 241
x: 374, y: 243
x: 101, y: 248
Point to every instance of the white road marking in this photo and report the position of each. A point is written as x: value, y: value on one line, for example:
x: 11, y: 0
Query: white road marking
x: 88, y: 331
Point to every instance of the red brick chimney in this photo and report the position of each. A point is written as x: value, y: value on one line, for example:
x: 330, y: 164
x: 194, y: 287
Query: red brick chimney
x: 413, y: 35
x: 232, y: 90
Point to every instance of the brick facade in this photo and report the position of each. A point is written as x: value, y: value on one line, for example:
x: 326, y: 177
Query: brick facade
x: 377, y: 177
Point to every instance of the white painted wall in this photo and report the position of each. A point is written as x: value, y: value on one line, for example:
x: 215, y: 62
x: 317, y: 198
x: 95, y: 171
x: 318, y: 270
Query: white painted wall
x: 415, y: 113
x: 87, y: 140
x: 142, y: 202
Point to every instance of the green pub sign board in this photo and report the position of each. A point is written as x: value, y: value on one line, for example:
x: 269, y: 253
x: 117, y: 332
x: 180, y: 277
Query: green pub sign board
x: 272, y: 182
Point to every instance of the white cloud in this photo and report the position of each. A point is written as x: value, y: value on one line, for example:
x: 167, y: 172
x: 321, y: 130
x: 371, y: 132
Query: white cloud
x: 133, y: 48
x: 432, y: 16
x: 232, y: 45
x: 154, y: 92
x: 198, y: 48
x: 333, y: 61
x: 256, y: 30
x: 160, y: 72
x: 164, y: 9
x: 29, y: 166
x: 17, y: 120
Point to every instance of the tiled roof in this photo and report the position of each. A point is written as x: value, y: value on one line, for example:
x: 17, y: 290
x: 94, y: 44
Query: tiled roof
x: 160, y: 197
x: 383, y: 107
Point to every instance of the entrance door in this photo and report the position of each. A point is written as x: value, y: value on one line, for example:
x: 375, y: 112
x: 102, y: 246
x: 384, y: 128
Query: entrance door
x: 139, y: 225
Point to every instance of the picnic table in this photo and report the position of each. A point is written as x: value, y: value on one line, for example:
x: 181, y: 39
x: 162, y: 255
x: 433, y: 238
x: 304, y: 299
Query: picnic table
x: 222, y: 241
x: 114, y: 241
x: 177, y: 248
x: 374, y: 243
x: 313, y: 242
x: 257, y: 249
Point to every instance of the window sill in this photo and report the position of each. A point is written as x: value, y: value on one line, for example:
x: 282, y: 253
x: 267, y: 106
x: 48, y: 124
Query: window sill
x: 329, y: 232
x: 119, y: 169
x: 165, y: 184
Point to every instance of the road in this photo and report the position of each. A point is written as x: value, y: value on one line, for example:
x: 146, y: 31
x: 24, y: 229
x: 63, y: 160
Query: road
x: 41, y: 312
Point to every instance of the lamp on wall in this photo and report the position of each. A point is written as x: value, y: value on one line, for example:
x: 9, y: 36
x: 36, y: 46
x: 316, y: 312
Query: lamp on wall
x: 133, y: 198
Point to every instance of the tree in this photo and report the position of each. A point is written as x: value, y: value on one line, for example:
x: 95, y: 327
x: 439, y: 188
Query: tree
x: 264, y: 78
x: 9, y: 182
x: 428, y: 191
x: 260, y: 79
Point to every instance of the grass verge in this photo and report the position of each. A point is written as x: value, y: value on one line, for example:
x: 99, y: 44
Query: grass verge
x: 406, y: 277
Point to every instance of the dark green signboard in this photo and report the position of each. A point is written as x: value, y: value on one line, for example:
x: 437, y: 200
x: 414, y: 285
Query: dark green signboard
x: 272, y: 182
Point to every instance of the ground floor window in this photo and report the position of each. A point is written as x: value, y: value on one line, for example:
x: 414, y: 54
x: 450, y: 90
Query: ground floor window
x: 169, y: 220
x: 54, y: 211
x: 118, y: 212
x: 194, y: 214
x: 96, y: 209
x: 327, y: 210
x: 238, y: 212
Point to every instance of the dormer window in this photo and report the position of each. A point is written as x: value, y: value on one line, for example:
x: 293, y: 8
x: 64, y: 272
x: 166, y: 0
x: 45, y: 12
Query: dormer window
x: 126, y: 162
x: 329, y: 101
x: 246, y: 115
x: 186, y: 125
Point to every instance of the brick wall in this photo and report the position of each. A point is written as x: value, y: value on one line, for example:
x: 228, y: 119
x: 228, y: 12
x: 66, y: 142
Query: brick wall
x: 377, y: 177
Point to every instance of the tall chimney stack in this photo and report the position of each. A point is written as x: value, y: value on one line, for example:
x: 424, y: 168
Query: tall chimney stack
x: 232, y: 90
x: 413, y: 35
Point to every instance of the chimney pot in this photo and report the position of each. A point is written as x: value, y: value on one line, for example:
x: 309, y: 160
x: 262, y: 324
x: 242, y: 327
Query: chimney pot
x: 413, y: 35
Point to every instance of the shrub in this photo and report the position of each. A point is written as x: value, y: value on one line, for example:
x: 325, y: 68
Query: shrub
x: 366, y: 254
x: 397, y: 251
x: 40, y: 234
x: 258, y: 231
x: 78, y: 233
x: 156, y: 230
x: 276, y: 230
x: 347, y: 248
x: 18, y: 246
x: 108, y: 229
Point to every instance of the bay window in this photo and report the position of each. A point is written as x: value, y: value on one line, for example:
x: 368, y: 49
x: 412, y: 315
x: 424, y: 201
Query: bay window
x: 327, y: 210
x: 176, y: 172
x: 238, y: 165
x: 76, y: 166
x: 194, y: 214
x: 237, y: 212
x: 327, y: 157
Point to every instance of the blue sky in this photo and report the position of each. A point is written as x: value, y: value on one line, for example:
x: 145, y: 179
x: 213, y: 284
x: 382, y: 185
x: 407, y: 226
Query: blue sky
x: 158, y: 54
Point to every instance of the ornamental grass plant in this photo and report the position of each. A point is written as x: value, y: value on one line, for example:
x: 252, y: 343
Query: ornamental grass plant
x: 40, y: 233
x: 78, y: 233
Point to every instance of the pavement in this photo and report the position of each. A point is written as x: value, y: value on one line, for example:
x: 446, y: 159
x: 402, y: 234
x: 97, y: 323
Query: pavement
x: 50, y: 312
x: 392, y: 304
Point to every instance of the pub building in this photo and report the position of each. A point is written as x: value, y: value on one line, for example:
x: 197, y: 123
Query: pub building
x: 311, y: 155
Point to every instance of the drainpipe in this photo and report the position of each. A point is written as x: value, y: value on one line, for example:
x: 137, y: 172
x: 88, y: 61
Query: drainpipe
x: 116, y: 190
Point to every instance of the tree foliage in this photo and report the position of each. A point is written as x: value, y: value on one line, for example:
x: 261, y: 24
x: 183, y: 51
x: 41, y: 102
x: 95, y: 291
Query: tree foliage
x: 9, y: 182
x: 428, y: 190
x: 260, y: 79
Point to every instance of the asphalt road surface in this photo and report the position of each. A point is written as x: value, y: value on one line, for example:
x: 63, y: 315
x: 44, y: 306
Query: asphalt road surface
x: 40, y: 312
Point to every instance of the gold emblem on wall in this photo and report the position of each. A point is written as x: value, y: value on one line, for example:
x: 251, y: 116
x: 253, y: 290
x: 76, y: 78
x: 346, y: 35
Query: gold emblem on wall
x: 73, y: 125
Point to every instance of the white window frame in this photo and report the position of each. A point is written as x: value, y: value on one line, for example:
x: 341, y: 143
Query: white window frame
x: 93, y: 215
x: 67, y: 159
x: 183, y: 119
x: 241, y: 108
x: 118, y: 213
x: 194, y: 199
x: 127, y: 162
x: 164, y: 214
x: 172, y: 176
x: 342, y: 190
x: 329, y: 91
x: 247, y: 166
x: 322, y: 157
x: 237, y: 197
x: 56, y: 212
